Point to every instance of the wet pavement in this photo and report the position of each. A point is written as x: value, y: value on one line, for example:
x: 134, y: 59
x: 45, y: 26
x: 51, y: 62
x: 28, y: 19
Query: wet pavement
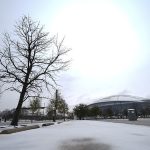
x: 140, y: 121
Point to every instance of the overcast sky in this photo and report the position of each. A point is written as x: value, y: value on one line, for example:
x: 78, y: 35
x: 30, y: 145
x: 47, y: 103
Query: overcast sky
x: 110, y: 42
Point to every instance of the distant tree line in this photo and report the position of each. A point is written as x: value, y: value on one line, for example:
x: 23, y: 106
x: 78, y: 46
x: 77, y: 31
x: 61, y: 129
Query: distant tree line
x: 83, y: 111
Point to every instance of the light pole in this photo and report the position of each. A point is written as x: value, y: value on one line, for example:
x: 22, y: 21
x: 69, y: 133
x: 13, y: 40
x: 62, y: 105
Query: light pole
x: 54, y: 119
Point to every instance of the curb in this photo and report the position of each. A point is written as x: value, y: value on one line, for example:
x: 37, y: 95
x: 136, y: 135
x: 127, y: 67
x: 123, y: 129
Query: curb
x: 9, y: 131
x: 59, y: 122
x: 24, y: 128
x: 47, y: 124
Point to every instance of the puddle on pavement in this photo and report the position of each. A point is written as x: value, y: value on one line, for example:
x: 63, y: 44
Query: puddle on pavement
x: 84, y: 144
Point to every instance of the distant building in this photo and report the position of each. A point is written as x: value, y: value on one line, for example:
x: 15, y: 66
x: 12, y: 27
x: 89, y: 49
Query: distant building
x: 27, y: 111
x: 120, y: 103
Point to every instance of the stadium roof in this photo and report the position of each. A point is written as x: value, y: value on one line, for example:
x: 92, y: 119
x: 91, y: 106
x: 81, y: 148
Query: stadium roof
x: 121, y: 98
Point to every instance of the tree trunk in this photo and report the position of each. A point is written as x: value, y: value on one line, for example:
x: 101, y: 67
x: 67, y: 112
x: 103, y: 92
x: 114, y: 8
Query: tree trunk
x: 18, y: 109
x: 16, y: 114
x: 21, y: 99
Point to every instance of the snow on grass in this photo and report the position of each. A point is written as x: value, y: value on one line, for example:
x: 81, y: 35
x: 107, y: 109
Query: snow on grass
x: 78, y: 135
x: 6, y: 125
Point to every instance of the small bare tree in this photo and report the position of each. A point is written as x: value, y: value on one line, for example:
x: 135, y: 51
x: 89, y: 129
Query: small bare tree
x: 50, y: 111
x: 30, y: 60
x: 55, y: 102
x: 35, y: 105
x: 63, y: 108
x: 57, y: 105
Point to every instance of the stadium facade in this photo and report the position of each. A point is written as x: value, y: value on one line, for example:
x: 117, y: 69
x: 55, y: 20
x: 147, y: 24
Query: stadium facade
x: 119, y: 104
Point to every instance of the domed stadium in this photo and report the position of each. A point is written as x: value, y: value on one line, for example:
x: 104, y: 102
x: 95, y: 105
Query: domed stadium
x: 122, y: 98
x: 119, y: 104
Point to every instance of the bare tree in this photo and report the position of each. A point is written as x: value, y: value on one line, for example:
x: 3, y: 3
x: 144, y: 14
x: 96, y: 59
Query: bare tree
x: 49, y: 110
x: 35, y: 105
x: 63, y: 108
x: 30, y: 60
x: 57, y: 105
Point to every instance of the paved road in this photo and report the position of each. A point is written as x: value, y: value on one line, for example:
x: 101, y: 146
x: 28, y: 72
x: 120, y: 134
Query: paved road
x: 140, y: 121
x: 145, y: 121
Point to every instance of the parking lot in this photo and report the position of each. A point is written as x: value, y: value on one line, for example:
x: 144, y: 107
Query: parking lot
x: 140, y: 121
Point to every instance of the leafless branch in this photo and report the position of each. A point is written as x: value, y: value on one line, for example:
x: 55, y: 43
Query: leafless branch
x: 30, y: 60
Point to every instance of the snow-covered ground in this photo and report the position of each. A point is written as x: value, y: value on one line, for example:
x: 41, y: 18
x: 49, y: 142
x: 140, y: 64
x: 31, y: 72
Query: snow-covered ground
x: 80, y: 135
x: 21, y: 123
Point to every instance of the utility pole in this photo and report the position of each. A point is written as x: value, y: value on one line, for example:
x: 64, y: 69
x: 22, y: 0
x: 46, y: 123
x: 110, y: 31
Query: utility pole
x: 55, y: 107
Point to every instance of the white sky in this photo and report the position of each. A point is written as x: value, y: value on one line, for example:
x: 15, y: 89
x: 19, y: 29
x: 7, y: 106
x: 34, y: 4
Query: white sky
x: 109, y: 41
